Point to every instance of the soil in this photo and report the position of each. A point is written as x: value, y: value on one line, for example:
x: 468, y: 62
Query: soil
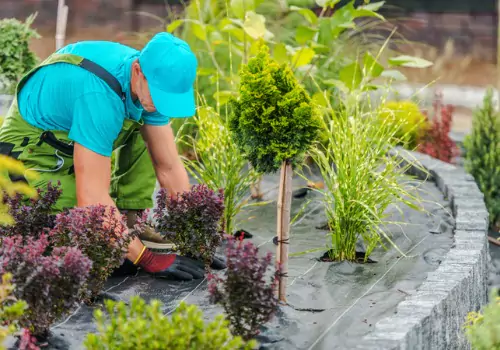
x: 330, y: 304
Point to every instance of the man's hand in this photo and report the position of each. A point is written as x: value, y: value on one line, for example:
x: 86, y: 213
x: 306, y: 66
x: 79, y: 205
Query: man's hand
x: 170, y: 170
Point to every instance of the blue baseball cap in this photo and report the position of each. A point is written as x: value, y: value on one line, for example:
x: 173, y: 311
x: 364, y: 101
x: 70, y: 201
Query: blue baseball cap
x: 170, y: 67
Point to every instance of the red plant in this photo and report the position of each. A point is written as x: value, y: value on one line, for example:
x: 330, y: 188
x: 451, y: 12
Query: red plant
x: 247, y: 297
x: 192, y: 220
x: 436, y: 141
x: 100, y: 235
x: 34, y: 217
x: 50, y: 282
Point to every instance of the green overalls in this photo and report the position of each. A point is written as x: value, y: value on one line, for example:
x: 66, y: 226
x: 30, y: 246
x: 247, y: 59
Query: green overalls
x: 50, y: 152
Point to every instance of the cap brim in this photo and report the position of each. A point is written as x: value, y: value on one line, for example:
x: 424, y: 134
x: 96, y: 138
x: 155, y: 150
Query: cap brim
x: 181, y: 105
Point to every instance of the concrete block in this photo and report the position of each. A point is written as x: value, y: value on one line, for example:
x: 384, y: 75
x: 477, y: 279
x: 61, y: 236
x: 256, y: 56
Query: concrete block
x: 471, y: 220
x: 467, y: 203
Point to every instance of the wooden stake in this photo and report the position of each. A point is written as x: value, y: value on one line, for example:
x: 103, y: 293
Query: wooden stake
x: 283, y: 227
x: 62, y: 19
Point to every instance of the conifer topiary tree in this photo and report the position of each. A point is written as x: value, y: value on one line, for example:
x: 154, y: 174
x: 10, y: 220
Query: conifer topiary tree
x: 483, y: 155
x: 274, y: 123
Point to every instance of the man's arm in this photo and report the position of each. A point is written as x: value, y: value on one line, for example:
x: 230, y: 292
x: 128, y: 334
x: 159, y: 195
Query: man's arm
x: 170, y: 170
x: 93, y: 179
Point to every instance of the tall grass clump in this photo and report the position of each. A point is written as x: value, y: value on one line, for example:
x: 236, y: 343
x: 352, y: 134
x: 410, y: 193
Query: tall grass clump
x: 361, y: 173
x: 219, y: 163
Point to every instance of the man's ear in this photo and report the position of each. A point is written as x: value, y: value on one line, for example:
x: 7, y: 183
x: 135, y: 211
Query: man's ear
x: 136, y: 68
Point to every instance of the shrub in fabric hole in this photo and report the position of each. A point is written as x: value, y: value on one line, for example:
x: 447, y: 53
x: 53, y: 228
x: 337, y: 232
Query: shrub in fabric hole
x: 246, y: 291
x: 192, y: 220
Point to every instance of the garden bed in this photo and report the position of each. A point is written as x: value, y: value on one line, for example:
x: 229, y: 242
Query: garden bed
x: 331, y: 305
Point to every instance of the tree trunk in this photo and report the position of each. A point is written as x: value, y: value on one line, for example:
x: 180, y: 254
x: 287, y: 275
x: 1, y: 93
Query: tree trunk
x: 284, y: 208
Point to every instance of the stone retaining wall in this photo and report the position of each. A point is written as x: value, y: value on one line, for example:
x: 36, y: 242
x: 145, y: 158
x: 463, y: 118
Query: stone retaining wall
x: 432, y: 318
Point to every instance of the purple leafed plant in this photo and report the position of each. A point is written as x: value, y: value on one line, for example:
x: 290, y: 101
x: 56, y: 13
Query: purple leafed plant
x: 34, y: 217
x: 100, y: 234
x: 247, y: 291
x: 50, y: 282
x: 192, y: 220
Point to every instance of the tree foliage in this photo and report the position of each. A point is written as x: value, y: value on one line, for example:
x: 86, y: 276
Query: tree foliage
x: 274, y: 119
x: 483, y: 155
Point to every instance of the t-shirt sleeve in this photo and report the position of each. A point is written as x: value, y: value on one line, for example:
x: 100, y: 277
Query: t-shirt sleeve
x: 97, y: 121
x: 155, y: 118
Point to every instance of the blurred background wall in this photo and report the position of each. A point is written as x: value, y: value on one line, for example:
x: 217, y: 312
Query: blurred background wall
x: 470, y: 24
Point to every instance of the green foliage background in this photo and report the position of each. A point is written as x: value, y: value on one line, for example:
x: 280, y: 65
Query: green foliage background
x: 16, y: 58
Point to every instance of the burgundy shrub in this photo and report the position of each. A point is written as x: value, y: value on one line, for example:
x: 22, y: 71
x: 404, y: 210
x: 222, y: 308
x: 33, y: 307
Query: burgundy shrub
x: 192, y: 220
x: 100, y: 234
x: 436, y: 141
x: 51, y: 283
x: 247, y: 292
x: 34, y: 217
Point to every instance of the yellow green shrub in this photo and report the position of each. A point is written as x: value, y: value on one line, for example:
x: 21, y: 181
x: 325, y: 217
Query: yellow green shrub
x: 412, y: 121
x: 482, y: 329
x: 11, y: 309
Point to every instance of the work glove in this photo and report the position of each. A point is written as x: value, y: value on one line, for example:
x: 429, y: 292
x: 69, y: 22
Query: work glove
x: 218, y: 262
x: 170, y: 266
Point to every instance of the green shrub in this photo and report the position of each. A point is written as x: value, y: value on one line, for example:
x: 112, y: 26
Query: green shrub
x: 11, y: 309
x: 412, y: 122
x: 483, y: 155
x: 483, y: 328
x: 274, y: 119
x: 144, y: 326
x: 16, y: 58
x: 219, y: 163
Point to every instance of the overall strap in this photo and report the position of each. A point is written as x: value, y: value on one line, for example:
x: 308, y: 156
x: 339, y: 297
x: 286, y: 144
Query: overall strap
x: 84, y: 63
x: 102, y: 73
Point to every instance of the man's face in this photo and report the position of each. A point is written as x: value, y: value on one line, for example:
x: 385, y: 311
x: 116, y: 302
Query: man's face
x: 141, y: 88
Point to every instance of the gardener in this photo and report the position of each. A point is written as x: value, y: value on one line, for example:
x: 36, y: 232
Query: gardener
x: 91, y: 98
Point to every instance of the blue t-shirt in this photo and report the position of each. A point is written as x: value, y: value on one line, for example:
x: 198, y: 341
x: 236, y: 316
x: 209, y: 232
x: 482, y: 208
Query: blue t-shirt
x: 66, y: 97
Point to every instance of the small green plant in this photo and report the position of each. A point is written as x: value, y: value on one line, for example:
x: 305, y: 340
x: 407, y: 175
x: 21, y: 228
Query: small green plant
x: 219, y: 163
x: 483, y: 328
x: 16, y: 58
x: 11, y: 309
x: 411, y: 120
x: 144, y: 326
x: 274, y: 123
x: 483, y: 156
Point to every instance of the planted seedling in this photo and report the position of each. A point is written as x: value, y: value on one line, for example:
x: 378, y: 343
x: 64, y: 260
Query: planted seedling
x: 247, y: 290
x: 192, y: 221
x: 50, y: 281
x: 362, y: 177
x: 274, y: 123
x: 101, y: 234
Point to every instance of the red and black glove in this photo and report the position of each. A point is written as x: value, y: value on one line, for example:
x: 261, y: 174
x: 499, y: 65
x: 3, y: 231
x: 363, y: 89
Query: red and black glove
x: 170, y: 266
